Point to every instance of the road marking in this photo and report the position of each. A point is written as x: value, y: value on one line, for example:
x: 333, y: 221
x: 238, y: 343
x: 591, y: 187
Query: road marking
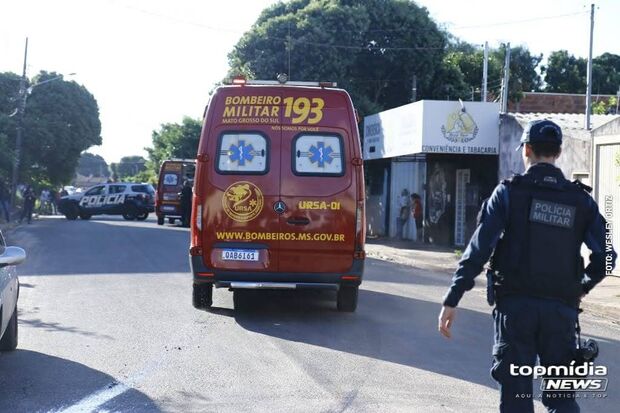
x: 100, y: 397
x: 92, y: 402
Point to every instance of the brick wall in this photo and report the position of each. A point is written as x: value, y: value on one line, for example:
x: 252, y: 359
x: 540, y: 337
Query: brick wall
x: 533, y: 102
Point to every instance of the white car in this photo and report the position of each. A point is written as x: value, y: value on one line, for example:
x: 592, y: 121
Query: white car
x: 9, y: 292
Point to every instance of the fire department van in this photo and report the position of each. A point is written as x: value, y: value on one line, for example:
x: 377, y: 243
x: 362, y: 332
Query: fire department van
x: 172, y: 175
x: 279, y: 192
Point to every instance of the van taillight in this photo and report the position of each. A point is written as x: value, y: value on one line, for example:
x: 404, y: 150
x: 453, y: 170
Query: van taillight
x: 199, y: 217
x: 197, y: 224
x: 359, y: 231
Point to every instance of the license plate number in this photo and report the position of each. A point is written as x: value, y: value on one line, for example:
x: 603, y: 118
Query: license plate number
x: 167, y: 208
x: 240, y: 255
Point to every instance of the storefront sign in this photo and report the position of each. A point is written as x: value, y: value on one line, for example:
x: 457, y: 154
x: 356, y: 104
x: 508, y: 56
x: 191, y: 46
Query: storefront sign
x: 433, y: 127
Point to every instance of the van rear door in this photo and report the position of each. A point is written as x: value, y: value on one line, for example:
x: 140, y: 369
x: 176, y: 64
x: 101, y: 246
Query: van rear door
x: 317, y: 188
x: 244, y: 183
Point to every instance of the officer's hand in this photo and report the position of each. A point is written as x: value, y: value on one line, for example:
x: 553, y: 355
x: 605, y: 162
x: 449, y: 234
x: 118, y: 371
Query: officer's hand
x: 446, y: 317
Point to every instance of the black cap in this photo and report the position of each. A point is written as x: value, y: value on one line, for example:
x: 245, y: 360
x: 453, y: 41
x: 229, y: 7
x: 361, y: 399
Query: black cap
x: 541, y: 131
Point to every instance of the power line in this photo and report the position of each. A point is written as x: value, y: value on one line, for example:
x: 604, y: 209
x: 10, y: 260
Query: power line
x: 511, y: 22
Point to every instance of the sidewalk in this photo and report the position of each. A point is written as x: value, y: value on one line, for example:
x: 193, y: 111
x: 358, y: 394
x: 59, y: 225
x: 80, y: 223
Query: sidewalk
x: 603, y: 300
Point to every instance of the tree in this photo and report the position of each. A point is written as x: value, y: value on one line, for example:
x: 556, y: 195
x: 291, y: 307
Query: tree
x: 129, y: 166
x: 565, y: 73
x: 92, y: 165
x: 372, y: 48
x: 60, y: 122
x: 606, y: 74
x: 174, y: 140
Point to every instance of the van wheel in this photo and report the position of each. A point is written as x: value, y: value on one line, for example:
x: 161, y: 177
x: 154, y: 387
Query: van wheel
x: 9, y: 339
x: 160, y: 220
x: 202, y: 296
x: 347, y: 298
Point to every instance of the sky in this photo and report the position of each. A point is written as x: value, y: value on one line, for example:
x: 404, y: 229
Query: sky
x: 149, y: 62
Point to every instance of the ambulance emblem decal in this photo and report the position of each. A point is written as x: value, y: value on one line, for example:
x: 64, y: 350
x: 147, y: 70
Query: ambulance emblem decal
x: 242, y: 201
x: 319, y: 154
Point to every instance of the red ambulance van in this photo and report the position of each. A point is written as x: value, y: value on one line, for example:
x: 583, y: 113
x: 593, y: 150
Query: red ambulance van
x: 279, y: 192
x: 172, y: 174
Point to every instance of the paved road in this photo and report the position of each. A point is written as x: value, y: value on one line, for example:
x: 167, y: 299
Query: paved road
x: 106, y: 324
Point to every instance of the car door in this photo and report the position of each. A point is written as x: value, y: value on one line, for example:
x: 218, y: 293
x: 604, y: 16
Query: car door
x: 8, y: 289
x: 93, y: 200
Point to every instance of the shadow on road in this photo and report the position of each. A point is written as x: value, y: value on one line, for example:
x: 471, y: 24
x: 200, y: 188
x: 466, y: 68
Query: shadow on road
x: 36, y: 382
x: 386, y: 327
x: 107, y: 246
x: 391, y: 328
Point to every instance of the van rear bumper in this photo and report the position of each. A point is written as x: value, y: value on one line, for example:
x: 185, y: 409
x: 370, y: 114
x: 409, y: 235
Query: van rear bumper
x: 273, y: 280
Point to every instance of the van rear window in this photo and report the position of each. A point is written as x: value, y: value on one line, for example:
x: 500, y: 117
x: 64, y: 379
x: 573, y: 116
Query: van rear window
x: 243, y: 153
x: 171, y: 179
x: 318, y: 155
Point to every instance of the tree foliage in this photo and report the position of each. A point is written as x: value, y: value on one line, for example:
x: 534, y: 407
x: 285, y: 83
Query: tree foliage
x: 172, y: 140
x: 566, y: 73
x: 372, y: 48
x: 92, y: 165
x: 128, y: 166
x: 60, y: 122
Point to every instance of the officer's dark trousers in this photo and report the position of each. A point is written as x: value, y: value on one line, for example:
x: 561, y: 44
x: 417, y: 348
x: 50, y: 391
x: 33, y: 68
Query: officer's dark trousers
x: 527, y: 327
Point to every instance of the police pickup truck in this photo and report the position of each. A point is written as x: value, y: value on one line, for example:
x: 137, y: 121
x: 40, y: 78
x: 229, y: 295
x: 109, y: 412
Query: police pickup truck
x: 131, y: 200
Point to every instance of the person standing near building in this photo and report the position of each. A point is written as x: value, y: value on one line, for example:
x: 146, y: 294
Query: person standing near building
x: 186, y: 202
x: 417, y: 214
x: 29, y: 201
x: 533, y: 226
x: 403, y: 213
x: 5, y: 201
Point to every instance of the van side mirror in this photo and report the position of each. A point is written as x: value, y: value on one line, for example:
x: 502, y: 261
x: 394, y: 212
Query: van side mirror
x: 12, y: 256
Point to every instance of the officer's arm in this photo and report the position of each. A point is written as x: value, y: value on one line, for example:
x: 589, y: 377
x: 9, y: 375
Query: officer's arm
x: 602, y: 254
x: 494, y: 215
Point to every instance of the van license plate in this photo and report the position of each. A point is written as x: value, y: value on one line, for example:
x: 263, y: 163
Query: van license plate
x: 240, y: 255
x: 168, y: 208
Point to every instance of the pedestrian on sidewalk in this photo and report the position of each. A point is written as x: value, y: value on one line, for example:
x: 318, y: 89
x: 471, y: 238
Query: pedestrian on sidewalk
x: 416, y: 214
x: 5, y: 201
x: 533, y: 226
x: 403, y: 214
x: 29, y: 200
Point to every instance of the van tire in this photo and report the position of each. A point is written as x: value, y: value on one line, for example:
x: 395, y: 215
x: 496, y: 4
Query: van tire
x: 160, y: 220
x: 9, y: 339
x: 202, y: 296
x: 347, y: 298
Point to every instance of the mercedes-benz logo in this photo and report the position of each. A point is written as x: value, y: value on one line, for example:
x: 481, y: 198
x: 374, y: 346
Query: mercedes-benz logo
x: 279, y: 207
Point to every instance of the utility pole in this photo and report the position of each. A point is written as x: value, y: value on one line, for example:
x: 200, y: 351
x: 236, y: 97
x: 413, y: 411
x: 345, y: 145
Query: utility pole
x: 414, y: 89
x: 589, y: 82
x: 506, y: 80
x: 23, y: 95
x: 485, y: 69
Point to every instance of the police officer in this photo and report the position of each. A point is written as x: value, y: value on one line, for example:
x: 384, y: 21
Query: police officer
x: 186, y: 203
x: 534, y: 226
